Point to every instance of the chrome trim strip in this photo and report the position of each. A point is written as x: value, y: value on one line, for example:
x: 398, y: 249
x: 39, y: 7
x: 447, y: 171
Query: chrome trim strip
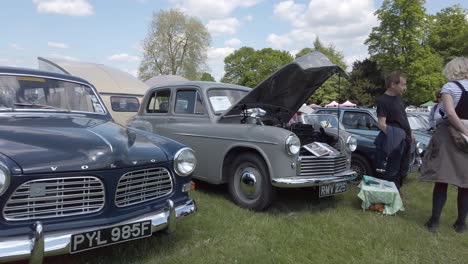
x: 298, y: 182
x: 226, y: 138
x: 103, y: 139
x: 58, y: 243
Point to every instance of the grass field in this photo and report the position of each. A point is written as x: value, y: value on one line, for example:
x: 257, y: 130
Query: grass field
x: 298, y: 228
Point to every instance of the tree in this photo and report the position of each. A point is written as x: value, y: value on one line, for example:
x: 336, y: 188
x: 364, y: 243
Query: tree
x: 249, y: 67
x: 176, y: 44
x: 399, y: 43
x: 207, y: 77
x: 331, y: 89
x: 448, y: 34
x: 366, y: 83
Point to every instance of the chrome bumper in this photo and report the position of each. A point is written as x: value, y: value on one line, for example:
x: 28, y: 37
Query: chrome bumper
x: 298, y: 182
x: 39, y: 245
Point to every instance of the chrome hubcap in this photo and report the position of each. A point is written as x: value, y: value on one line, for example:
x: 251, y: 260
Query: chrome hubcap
x: 248, y: 182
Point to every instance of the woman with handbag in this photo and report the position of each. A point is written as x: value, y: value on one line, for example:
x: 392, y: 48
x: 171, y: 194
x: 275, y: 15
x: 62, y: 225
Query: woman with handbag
x: 447, y: 154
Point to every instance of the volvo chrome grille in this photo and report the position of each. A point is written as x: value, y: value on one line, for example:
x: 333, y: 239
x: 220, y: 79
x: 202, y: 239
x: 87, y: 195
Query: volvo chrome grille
x: 143, y: 185
x: 58, y: 197
x: 322, y: 166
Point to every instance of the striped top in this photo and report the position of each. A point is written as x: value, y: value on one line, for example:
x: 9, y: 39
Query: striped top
x: 455, y: 91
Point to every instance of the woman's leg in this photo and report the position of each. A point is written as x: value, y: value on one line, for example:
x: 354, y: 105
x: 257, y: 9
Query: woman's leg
x: 439, y: 197
x: 462, y: 204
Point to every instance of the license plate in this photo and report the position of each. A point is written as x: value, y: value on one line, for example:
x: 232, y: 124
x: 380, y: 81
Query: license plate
x: 108, y: 236
x: 332, y: 189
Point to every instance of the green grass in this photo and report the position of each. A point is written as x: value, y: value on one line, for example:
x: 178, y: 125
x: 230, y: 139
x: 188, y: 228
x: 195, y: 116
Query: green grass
x: 298, y: 228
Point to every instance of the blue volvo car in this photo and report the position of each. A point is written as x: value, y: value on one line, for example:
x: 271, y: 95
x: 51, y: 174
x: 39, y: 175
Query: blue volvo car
x: 71, y: 179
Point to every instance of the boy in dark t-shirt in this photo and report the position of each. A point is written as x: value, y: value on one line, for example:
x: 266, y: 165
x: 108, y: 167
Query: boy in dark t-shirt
x: 391, y: 117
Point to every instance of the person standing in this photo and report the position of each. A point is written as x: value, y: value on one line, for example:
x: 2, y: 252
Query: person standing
x: 435, y: 113
x: 445, y: 161
x: 394, y: 140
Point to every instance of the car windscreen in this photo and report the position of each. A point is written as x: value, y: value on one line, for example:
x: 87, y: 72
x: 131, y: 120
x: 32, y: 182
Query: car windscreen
x: 323, y: 120
x: 221, y: 99
x: 27, y: 93
x: 417, y: 123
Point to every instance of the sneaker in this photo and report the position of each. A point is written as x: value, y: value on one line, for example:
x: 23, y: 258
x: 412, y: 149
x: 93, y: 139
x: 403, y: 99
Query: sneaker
x: 459, y: 228
x: 431, y: 226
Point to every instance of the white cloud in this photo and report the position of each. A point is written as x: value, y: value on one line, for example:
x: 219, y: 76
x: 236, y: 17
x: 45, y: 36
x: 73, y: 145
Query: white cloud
x: 138, y: 46
x: 234, y: 42
x: 16, y: 46
x: 57, y: 45
x: 248, y: 18
x: 216, y: 60
x: 123, y: 57
x: 212, y: 8
x: 343, y: 23
x: 64, y: 7
x: 223, y: 26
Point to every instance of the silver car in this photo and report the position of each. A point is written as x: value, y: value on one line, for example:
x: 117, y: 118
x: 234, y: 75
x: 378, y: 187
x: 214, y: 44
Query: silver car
x: 243, y: 136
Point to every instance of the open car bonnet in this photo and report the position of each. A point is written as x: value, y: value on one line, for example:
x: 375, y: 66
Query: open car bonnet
x: 284, y: 92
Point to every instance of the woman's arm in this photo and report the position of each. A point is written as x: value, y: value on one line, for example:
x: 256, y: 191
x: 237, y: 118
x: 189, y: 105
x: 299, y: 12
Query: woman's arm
x: 452, y: 115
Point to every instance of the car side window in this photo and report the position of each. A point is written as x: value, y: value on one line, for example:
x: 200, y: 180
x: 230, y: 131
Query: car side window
x: 358, y: 120
x: 189, y: 102
x: 124, y: 104
x: 332, y: 112
x: 159, y: 102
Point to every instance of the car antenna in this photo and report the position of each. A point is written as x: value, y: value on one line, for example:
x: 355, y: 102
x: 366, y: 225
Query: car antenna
x: 339, y: 95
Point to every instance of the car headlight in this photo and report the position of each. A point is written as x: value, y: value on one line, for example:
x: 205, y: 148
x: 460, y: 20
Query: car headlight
x: 185, y: 162
x: 351, y: 143
x: 4, y: 179
x: 293, y: 144
x: 420, y: 148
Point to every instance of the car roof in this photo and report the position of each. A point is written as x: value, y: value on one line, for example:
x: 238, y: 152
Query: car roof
x: 347, y: 108
x: 204, y: 85
x: 26, y: 71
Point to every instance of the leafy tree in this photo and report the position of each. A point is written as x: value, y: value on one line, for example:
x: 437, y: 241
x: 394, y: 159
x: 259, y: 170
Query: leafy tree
x: 207, y: 77
x: 366, y: 83
x: 249, y: 67
x: 448, y: 34
x: 399, y: 43
x: 332, y: 87
x: 176, y: 44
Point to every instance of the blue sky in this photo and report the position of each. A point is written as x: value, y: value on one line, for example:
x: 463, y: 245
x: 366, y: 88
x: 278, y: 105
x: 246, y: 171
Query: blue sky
x: 110, y: 32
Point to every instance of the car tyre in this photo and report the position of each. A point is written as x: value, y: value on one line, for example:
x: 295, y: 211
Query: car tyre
x: 249, y: 182
x: 361, y: 166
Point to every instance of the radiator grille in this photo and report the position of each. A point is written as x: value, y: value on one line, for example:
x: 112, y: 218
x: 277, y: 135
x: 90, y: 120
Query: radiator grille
x: 58, y: 197
x: 143, y: 185
x: 322, y: 166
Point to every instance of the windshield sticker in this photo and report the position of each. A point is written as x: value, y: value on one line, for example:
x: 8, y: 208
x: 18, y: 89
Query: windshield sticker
x: 98, y: 108
x: 220, y: 103
x: 94, y: 99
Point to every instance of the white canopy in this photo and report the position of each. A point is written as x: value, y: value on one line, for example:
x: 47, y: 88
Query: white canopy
x: 332, y: 104
x: 348, y: 104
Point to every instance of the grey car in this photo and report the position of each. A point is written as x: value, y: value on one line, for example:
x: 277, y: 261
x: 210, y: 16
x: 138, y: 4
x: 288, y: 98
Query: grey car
x: 242, y: 137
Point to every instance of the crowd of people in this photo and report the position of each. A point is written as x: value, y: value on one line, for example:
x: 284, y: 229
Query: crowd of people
x: 447, y: 153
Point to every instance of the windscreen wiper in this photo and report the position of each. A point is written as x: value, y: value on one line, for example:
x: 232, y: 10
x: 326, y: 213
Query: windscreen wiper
x: 41, y: 106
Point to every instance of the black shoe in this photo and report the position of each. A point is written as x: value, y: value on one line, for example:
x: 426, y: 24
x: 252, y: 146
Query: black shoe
x: 431, y: 226
x: 459, y: 228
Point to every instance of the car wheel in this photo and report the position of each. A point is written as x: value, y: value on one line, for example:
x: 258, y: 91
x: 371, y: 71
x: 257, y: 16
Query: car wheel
x: 249, y: 182
x: 361, y: 166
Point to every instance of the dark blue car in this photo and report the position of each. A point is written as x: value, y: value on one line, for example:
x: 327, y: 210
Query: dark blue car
x: 71, y: 179
x: 362, y: 123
